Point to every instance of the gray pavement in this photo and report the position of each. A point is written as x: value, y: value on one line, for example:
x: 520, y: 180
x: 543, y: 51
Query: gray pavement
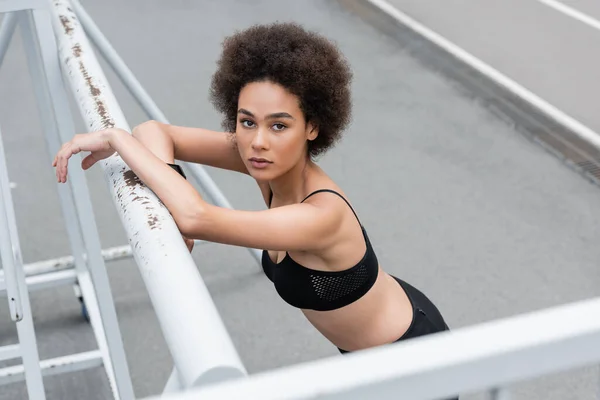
x: 456, y: 202
x: 547, y: 52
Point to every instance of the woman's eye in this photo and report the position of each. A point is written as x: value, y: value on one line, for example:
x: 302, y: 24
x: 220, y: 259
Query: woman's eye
x: 247, y: 123
x: 279, y: 127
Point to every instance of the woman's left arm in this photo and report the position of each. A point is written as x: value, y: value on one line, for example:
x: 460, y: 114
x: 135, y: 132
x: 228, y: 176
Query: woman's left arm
x: 178, y: 195
x: 305, y: 226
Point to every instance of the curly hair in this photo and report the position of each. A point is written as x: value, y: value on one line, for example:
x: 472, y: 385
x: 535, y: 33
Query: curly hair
x: 306, y: 64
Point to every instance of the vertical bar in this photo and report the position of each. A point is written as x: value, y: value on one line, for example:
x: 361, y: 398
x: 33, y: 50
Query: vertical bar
x: 148, y: 105
x: 10, y: 252
x: 9, y: 244
x: 6, y: 32
x: 51, y: 136
x: 48, y: 80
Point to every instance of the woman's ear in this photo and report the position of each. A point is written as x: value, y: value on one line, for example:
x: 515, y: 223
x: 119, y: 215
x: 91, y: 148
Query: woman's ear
x: 312, y: 131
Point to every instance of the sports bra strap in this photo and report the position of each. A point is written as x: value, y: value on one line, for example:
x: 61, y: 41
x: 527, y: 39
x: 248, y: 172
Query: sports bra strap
x: 334, y: 192
x: 319, y: 191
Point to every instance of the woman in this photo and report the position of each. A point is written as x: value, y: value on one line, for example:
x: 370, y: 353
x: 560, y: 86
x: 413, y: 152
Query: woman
x: 285, y: 96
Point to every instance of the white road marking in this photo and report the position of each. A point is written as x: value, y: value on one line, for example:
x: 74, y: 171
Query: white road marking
x: 571, y: 12
x: 553, y: 112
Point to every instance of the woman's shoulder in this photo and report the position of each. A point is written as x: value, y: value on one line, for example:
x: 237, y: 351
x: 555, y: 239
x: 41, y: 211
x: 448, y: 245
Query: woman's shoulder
x: 323, y: 191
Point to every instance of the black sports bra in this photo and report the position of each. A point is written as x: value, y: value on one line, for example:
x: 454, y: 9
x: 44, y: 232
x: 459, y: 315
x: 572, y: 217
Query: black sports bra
x: 310, y: 289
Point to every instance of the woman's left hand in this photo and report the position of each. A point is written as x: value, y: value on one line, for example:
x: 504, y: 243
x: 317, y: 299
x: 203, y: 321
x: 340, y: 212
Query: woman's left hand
x: 98, y: 143
x: 189, y: 243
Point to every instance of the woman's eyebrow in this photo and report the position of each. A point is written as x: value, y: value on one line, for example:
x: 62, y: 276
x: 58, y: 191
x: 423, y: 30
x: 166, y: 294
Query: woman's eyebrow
x: 246, y: 112
x: 279, y: 115
x: 270, y: 116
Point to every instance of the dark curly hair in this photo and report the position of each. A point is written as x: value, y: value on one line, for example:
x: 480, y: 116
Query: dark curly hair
x: 305, y: 63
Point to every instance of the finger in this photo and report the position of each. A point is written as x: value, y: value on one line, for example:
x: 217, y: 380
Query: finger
x: 88, y: 161
x: 63, y: 162
x: 58, y: 166
x: 65, y: 169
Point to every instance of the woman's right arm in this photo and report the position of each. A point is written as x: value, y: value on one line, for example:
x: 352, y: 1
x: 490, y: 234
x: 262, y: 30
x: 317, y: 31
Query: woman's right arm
x: 196, y: 145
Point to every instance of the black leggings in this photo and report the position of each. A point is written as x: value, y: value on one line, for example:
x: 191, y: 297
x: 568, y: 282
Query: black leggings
x: 426, y: 317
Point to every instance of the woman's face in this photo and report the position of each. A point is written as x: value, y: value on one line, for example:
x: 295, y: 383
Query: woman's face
x: 271, y: 132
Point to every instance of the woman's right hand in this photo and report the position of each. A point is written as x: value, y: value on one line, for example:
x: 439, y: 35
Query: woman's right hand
x: 97, y: 143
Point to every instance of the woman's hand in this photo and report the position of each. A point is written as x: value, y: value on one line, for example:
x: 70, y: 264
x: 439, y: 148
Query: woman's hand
x: 98, y: 143
x: 189, y: 243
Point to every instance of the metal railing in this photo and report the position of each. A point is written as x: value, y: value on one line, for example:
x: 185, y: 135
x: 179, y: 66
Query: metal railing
x: 484, y: 357
x: 194, y: 332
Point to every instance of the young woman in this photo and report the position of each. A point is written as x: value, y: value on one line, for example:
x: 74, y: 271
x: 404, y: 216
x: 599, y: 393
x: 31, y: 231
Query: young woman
x: 284, y: 93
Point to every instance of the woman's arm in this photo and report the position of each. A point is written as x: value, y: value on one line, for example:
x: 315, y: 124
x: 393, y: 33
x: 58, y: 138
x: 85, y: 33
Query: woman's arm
x: 196, y: 145
x: 305, y: 226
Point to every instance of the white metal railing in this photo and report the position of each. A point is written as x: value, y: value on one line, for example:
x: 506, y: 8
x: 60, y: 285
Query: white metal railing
x: 194, y: 332
x: 487, y: 356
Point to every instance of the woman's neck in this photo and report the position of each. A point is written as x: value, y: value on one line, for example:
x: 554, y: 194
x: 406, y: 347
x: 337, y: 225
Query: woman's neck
x: 290, y: 188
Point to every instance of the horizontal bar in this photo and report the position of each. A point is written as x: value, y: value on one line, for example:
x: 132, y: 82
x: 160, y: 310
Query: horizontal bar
x: 200, y: 345
x: 68, y: 262
x: 54, y: 366
x: 10, y: 352
x: 7, y: 6
x: 60, y: 278
x: 60, y: 271
x: 480, y: 357
x: 45, y: 281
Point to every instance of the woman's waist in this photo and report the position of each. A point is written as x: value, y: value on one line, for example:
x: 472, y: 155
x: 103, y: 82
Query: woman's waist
x: 381, y: 316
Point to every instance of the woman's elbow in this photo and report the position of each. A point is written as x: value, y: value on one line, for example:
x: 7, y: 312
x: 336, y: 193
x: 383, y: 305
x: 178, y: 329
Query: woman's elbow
x: 144, y: 127
x: 193, y: 225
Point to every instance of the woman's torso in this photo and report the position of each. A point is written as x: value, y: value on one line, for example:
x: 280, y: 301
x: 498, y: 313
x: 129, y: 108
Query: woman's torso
x: 380, y: 316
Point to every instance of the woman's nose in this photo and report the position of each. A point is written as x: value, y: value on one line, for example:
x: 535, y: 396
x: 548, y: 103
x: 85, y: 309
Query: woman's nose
x: 260, y: 140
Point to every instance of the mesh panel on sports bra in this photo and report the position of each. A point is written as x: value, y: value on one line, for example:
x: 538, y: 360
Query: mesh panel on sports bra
x: 331, y: 288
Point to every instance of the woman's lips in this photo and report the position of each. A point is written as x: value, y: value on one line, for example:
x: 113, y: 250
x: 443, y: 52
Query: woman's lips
x: 259, y: 163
